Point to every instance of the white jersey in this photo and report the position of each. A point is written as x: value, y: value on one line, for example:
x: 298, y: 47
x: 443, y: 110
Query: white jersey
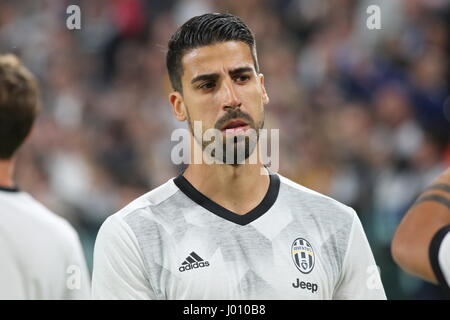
x: 175, y: 243
x: 440, y: 258
x: 40, y: 253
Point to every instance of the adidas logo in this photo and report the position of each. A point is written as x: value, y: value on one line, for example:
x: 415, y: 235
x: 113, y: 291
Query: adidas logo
x: 193, y: 261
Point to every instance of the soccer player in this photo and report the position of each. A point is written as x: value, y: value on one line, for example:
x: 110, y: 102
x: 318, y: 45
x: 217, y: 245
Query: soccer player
x: 230, y: 229
x: 40, y: 253
x: 421, y: 244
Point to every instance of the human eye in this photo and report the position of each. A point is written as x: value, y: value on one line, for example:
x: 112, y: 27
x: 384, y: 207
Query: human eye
x: 207, y: 85
x: 242, y: 78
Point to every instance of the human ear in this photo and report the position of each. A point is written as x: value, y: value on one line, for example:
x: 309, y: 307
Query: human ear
x: 263, y: 88
x: 178, y: 108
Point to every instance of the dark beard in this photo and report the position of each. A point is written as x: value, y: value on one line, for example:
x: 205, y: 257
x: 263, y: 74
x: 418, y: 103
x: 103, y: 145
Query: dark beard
x: 247, y: 143
x: 242, y: 146
x: 235, y: 152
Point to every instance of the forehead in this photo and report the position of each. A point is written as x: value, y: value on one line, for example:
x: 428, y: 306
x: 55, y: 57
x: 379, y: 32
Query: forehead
x: 222, y: 56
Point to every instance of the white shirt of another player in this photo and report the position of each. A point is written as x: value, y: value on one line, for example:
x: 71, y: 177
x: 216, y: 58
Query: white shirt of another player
x: 440, y: 258
x: 444, y: 258
x: 41, y: 255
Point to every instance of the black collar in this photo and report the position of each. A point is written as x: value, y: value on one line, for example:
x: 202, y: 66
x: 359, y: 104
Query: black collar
x: 9, y: 189
x: 269, y: 199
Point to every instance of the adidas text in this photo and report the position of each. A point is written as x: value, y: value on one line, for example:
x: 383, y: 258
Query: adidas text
x: 194, y: 265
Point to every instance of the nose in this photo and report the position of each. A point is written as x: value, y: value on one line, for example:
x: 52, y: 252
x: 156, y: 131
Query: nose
x: 231, y: 100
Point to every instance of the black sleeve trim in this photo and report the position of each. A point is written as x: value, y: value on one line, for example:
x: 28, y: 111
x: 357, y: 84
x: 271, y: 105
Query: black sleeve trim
x: 9, y: 189
x: 434, y: 258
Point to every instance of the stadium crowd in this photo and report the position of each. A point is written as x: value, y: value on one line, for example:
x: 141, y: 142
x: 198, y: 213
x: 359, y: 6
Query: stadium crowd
x: 364, y: 115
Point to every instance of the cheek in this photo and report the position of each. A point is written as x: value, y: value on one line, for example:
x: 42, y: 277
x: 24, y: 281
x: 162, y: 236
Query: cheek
x: 255, y: 101
x: 203, y: 110
x: 254, y: 92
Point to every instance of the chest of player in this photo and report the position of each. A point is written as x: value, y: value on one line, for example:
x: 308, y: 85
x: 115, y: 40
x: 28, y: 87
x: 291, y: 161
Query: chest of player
x: 246, y: 266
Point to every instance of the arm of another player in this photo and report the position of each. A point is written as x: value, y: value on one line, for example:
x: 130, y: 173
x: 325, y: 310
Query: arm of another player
x: 417, y: 240
x: 119, y: 271
x: 360, y: 278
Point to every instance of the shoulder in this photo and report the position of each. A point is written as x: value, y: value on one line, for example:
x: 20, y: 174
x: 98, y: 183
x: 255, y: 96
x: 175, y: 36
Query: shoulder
x: 58, y: 226
x: 316, y: 203
x: 30, y: 216
x: 143, y: 206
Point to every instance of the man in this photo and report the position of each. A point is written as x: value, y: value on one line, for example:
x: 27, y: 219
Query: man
x: 421, y: 244
x: 229, y: 229
x: 40, y: 253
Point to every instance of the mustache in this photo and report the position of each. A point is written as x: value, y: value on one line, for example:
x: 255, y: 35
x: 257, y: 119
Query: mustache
x: 235, y: 114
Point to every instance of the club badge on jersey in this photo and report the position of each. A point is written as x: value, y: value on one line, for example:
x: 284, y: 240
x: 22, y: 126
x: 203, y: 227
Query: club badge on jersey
x: 303, y: 255
x: 304, y: 259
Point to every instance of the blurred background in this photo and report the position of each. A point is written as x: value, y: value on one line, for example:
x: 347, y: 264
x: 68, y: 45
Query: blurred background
x: 364, y: 115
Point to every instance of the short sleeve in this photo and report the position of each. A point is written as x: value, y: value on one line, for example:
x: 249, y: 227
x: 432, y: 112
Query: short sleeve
x: 119, y: 271
x: 360, y: 278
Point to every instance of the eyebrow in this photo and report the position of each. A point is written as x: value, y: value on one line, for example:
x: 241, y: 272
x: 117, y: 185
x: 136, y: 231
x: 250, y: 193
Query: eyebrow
x: 240, y: 70
x: 215, y: 76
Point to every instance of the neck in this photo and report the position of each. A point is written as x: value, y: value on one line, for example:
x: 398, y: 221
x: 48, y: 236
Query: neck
x: 6, y: 173
x: 237, y: 188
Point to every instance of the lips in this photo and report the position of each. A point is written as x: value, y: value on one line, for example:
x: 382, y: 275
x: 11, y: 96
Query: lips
x: 235, y: 124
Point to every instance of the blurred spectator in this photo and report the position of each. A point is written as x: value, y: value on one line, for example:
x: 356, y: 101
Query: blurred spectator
x: 364, y: 115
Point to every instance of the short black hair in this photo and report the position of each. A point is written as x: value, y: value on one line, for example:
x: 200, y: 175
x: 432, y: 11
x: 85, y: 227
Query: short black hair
x: 204, y: 30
